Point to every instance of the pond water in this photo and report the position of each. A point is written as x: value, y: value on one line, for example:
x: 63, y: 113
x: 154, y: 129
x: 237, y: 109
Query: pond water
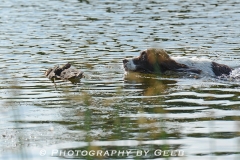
x: 111, y: 111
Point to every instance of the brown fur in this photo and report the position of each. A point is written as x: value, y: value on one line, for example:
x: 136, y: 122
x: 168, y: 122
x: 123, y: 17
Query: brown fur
x: 158, y: 61
x: 155, y: 60
x: 220, y: 69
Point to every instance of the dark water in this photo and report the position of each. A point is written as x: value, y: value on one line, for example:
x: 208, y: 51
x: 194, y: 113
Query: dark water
x: 110, y: 110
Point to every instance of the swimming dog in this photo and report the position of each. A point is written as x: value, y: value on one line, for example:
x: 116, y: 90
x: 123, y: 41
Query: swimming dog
x: 155, y: 60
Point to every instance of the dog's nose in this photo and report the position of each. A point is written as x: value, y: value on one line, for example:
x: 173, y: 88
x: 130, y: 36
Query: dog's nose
x: 125, y: 61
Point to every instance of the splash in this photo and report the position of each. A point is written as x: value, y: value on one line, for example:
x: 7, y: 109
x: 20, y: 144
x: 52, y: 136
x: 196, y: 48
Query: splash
x: 233, y: 77
x: 235, y: 74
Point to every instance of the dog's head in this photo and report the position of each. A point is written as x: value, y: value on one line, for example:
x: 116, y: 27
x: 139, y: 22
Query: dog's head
x: 150, y: 60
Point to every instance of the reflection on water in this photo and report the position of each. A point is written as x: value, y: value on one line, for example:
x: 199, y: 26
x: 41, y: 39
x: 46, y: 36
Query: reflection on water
x: 109, y: 109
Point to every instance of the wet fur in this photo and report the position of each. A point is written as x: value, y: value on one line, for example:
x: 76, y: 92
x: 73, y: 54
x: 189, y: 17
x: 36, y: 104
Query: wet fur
x: 158, y: 61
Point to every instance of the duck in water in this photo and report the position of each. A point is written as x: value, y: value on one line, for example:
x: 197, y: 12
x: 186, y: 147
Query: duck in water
x: 64, y: 73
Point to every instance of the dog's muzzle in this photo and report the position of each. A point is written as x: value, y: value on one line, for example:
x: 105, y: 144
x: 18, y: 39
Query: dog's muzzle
x: 129, y: 65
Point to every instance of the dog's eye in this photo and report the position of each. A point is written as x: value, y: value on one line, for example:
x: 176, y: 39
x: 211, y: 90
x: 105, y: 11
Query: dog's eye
x: 143, y: 55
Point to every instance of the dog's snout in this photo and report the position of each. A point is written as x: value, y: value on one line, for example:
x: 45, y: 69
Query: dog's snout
x: 125, y: 61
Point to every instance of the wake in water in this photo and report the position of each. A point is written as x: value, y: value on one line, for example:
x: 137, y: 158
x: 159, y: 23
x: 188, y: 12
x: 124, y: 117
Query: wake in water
x: 234, y: 76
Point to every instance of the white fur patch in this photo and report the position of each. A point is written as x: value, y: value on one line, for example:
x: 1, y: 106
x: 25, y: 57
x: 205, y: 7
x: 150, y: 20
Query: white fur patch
x: 130, y: 66
x: 197, y: 63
